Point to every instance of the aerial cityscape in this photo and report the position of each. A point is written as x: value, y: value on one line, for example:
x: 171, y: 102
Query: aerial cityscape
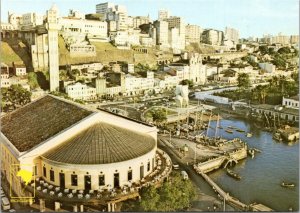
x: 132, y: 106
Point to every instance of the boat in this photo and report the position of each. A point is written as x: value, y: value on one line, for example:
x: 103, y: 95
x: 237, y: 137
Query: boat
x: 277, y: 136
x: 257, y: 150
x: 229, y: 131
x: 231, y: 127
x: 287, y: 185
x: 251, y: 152
x: 240, y: 130
x: 249, y: 135
x: 220, y: 127
x: 233, y: 174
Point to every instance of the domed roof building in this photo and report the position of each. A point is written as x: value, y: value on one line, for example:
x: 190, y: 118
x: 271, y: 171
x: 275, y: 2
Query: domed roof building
x: 71, y: 147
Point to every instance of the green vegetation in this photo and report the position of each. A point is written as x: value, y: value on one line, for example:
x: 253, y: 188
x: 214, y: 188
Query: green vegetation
x: 14, y: 96
x: 158, y: 115
x: 175, y: 194
x: 266, y: 94
x: 190, y: 83
x: 33, y: 80
x: 243, y: 81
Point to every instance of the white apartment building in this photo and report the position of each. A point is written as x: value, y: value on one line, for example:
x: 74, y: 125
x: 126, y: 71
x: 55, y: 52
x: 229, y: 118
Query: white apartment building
x: 178, y: 22
x: 135, y: 85
x: 162, y: 33
x: 104, y: 7
x: 294, y: 39
x: 136, y: 21
x: 32, y: 19
x: 281, y: 39
x: 80, y: 91
x: 15, y: 20
x: 19, y: 69
x: 192, y: 33
x: 182, y: 71
x: 88, y: 27
x: 232, y: 34
x: 88, y: 66
x: 212, y: 37
x: 174, y: 38
x: 163, y: 14
x: 270, y: 68
x: 4, y: 76
x: 118, y: 13
x: 292, y: 102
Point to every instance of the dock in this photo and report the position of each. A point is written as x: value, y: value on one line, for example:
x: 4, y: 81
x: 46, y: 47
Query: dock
x: 228, y: 198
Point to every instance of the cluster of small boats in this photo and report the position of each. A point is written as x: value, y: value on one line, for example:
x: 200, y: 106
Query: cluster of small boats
x: 230, y: 130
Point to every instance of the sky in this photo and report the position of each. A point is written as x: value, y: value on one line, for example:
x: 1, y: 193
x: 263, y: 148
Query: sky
x: 250, y: 17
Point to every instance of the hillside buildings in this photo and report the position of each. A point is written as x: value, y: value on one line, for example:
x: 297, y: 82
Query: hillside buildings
x: 212, y: 37
x: 192, y: 33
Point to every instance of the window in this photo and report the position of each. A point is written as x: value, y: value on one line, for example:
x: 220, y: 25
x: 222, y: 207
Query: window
x: 44, y: 172
x: 101, y: 180
x: 148, y: 167
x: 129, y: 176
x: 51, y: 175
x: 74, y: 181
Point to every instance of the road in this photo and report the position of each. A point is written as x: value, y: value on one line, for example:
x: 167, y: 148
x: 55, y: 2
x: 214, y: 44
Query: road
x: 202, y: 185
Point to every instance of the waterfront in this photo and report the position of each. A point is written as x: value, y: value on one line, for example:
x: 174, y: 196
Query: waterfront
x: 262, y: 175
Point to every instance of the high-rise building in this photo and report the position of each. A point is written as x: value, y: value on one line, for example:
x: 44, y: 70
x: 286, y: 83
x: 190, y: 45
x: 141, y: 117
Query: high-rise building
x: 104, y: 7
x: 232, y: 35
x: 212, y: 37
x: 178, y: 22
x: 52, y: 27
x: 163, y: 14
x: 281, y: 39
x: 192, y: 33
x: 161, y: 33
x: 294, y: 39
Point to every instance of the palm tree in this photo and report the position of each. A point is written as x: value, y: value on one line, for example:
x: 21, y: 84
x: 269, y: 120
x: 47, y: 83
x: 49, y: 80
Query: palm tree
x: 262, y: 93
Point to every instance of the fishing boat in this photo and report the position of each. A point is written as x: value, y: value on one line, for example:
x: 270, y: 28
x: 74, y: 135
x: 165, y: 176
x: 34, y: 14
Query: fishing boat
x: 231, y: 127
x: 233, y: 174
x: 287, y: 185
x: 249, y: 135
x: 240, y: 130
x: 229, y: 131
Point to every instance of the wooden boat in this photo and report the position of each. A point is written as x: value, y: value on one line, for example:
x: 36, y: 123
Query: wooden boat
x: 249, y: 135
x: 233, y: 174
x: 229, y: 131
x: 220, y: 127
x: 240, y: 130
x: 231, y: 127
x: 287, y: 185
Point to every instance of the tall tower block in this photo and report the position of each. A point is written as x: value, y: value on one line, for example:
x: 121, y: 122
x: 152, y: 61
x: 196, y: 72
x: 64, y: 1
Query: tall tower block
x: 52, y: 27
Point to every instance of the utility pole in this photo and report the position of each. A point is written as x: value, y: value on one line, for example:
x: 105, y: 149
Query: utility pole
x: 224, y: 202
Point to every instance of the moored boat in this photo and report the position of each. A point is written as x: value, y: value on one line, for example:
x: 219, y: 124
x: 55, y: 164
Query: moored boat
x: 249, y: 135
x: 240, y: 130
x: 229, y: 131
x: 233, y: 174
x: 287, y: 185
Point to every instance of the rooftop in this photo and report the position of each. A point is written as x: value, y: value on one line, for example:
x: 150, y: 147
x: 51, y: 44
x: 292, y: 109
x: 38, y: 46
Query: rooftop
x: 40, y: 120
x: 102, y: 143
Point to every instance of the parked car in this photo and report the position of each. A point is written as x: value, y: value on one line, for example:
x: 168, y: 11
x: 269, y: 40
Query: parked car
x: 175, y: 166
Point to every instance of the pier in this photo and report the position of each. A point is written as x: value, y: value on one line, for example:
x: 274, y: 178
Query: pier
x: 226, y: 197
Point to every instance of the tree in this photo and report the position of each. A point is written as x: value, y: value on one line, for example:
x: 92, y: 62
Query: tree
x: 243, y: 81
x: 63, y: 75
x: 159, y: 115
x: 261, y: 91
x: 15, y: 96
x: 263, y: 49
x: 150, y: 199
x: 190, y: 83
x: 33, y: 80
x: 284, y: 50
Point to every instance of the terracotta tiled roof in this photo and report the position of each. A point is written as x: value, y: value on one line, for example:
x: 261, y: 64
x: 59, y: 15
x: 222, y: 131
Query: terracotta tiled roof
x: 102, y: 143
x: 40, y: 120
